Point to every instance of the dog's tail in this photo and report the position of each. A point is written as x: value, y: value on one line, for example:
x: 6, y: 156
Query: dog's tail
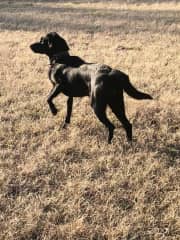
x: 133, y: 92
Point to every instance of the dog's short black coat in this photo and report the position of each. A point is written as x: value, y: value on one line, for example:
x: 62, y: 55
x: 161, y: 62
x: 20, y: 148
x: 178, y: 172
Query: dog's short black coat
x: 74, y: 77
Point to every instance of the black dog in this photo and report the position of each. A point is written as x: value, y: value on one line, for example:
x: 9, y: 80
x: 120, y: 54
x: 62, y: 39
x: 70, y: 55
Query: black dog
x: 75, y: 78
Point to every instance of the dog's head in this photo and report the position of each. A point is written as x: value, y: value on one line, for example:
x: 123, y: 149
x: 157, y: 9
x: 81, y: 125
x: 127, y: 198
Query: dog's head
x: 51, y: 44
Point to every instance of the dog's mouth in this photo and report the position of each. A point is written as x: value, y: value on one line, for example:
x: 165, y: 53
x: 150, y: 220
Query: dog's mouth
x: 38, y: 48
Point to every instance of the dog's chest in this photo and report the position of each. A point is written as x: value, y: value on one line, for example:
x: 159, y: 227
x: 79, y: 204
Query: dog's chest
x: 55, y: 74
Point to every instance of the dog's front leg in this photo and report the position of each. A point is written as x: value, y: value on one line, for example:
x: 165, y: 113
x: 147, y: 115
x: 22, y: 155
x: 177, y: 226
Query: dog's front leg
x: 69, y: 111
x: 54, y: 92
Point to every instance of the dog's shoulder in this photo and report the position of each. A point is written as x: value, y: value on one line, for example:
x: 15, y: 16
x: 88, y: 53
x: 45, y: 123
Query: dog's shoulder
x: 57, y: 67
x: 56, y: 74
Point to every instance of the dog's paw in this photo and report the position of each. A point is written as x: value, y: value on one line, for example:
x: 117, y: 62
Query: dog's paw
x: 65, y: 125
x: 54, y: 111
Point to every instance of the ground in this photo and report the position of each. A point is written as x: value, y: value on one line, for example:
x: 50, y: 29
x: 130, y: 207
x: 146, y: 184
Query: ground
x: 70, y: 184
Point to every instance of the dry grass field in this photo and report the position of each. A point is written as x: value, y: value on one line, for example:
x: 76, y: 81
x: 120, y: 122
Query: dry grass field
x: 70, y: 184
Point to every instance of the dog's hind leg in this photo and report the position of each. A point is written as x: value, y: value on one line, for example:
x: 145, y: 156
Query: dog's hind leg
x: 100, y: 110
x: 69, y: 111
x: 117, y: 105
x: 54, y: 92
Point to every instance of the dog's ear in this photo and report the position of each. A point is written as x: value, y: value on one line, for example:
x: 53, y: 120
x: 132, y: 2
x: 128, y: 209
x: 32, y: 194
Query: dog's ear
x: 56, y: 43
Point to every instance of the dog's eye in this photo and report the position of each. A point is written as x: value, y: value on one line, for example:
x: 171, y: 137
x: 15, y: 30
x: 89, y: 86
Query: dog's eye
x: 42, y: 40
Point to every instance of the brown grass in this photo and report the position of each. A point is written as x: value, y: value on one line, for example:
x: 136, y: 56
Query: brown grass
x: 69, y: 184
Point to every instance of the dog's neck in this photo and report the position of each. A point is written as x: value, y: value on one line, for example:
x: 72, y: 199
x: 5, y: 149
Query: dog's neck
x: 58, y: 57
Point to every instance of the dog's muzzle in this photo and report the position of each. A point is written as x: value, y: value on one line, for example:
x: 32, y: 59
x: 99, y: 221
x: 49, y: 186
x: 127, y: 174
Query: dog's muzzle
x: 37, y: 48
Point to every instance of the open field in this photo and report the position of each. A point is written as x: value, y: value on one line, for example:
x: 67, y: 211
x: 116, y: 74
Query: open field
x: 70, y: 184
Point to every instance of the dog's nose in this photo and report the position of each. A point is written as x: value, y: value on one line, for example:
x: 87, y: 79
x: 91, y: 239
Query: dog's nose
x: 31, y: 47
x: 35, y: 47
